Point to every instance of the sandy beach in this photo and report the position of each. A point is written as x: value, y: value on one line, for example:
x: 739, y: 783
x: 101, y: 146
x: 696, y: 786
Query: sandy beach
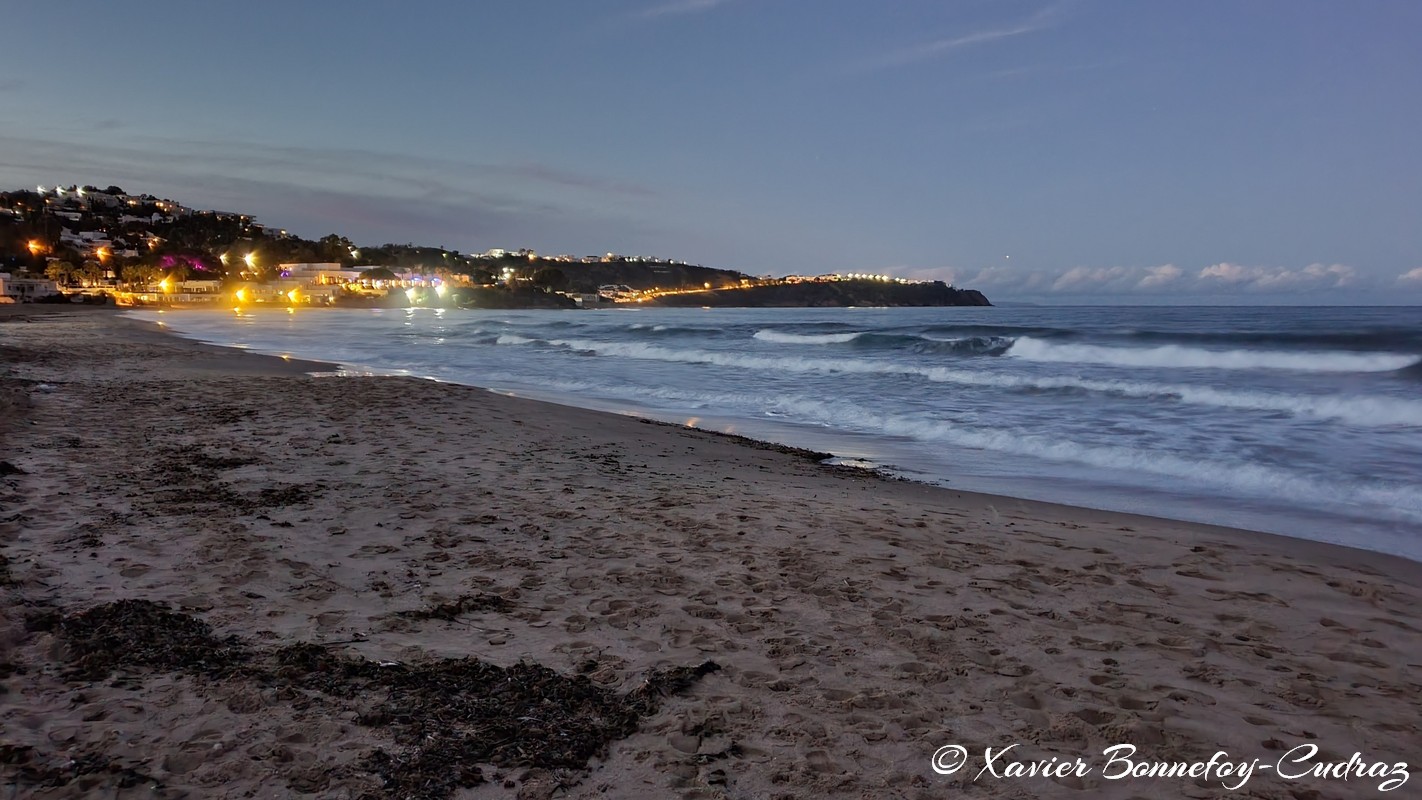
x: 296, y: 533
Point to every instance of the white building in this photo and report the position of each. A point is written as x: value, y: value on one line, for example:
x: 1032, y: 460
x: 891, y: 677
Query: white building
x: 325, y: 273
x: 25, y: 290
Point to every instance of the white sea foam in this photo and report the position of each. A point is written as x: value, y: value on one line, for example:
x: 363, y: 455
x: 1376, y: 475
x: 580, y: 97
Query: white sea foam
x: 1236, y: 476
x: 511, y: 338
x: 780, y: 337
x: 1169, y: 356
x: 1246, y: 478
x: 1365, y: 411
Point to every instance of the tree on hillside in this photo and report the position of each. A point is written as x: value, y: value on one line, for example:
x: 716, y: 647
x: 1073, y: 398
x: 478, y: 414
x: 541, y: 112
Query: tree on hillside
x: 336, y: 248
x: 89, y: 273
x: 179, y: 272
x: 550, y: 279
x: 139, y: 274
x: 61, y: 272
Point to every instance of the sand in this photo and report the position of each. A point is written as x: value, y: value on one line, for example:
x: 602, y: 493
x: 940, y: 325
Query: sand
x: 859, y: 623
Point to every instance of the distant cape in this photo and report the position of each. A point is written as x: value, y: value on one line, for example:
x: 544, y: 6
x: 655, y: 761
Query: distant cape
x: 831, y: 294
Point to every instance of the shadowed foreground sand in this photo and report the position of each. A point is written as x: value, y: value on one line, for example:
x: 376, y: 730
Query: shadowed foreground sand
x: 860, y: 624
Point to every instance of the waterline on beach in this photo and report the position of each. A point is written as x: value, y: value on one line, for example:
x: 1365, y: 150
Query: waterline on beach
x: 1241, y: 417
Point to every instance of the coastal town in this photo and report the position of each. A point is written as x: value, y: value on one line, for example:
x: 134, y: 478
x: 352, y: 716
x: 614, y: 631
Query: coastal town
x: 83, y: 243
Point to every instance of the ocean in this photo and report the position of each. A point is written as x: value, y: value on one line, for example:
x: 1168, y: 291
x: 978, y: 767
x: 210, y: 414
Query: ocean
x: 1300, y: 421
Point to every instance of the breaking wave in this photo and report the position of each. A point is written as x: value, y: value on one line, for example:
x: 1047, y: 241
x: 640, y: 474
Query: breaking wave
x: 1385, y: 338
x: 1177, y: 356
x: 1364, y: 411
x: 913, y: 342
x: 1234, y: 476
x: 778, y: 337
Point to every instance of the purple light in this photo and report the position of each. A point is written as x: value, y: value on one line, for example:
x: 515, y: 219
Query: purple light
x: 191, y: 262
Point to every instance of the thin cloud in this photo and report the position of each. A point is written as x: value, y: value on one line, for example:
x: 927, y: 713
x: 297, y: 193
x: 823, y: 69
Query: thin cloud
x: 419, y: 176
x: 941, y: 47
x: 377, y: 197
x: 561, y: 177
x: 681, y: 7
x: 1411, y: 276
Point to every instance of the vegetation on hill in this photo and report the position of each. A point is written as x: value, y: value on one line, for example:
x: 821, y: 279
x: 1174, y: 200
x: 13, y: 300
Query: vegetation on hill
x: 94, y: 237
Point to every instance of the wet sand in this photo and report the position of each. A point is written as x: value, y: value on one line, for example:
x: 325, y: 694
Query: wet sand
x: 859, y: 623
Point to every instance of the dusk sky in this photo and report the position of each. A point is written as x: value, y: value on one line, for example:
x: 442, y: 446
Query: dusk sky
x: 1126, y: 151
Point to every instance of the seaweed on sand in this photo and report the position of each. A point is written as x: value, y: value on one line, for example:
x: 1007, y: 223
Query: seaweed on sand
x: 444, y: 717
x: 141, y: 633
x: 463, y: 605
x: 448, y: 716
x: 27, y: 764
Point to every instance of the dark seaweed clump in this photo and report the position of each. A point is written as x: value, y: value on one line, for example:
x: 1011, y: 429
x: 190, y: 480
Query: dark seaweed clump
x: 140, y: 633
x: 456, y: 713
x: 444, y: 717
x: 26, y: 764
x: 465, y: 604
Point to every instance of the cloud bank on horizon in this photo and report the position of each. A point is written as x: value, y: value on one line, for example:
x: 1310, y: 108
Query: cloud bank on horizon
x: 1171, y: 281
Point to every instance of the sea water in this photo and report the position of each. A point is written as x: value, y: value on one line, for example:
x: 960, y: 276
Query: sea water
x: 1300, y: 421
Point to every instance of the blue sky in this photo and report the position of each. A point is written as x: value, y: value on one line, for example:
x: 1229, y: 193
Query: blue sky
x: 1258, y: 151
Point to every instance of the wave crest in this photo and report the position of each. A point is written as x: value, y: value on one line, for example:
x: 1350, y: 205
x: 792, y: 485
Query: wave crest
x: 780, y: 337
x: 1178, y: 356
x: 1361, y: 410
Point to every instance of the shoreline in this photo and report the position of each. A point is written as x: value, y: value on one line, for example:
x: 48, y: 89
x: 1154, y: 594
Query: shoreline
x: 859, y: 623
x: 882, y: 472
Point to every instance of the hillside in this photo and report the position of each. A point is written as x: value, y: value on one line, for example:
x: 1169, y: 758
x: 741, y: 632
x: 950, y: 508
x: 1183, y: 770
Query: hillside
x: 108, y: 240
